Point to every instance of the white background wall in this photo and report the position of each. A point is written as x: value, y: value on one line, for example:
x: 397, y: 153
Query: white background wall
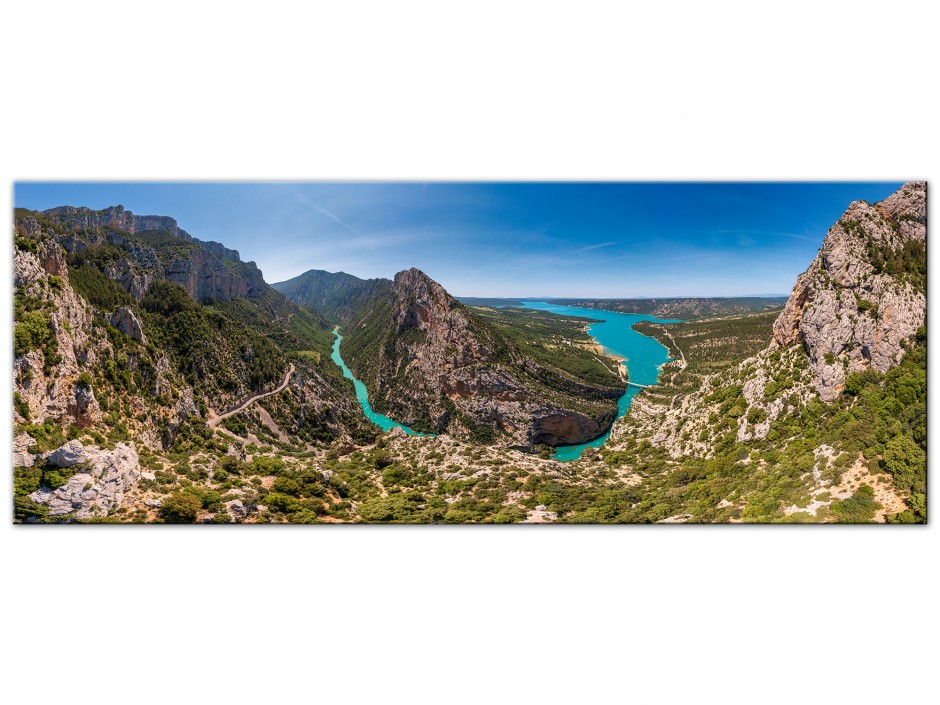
x: 489, y: 89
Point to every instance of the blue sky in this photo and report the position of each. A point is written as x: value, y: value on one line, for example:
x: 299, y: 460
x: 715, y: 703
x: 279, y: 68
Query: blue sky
x: 505, y: 239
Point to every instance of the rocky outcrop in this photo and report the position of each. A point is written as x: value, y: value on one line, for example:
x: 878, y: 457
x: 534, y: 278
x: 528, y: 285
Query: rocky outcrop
x: 208, y: 270
x: 442, y: 367
x: 99, y: 485
x: 115, y: 217
x: 50, y: 390
x: 22, y: 458
x: 118, y: 218
x: 207, y: 277
x: 85, y: 409
x: 239, y: 510
x: 218, y: 249
x: 127, y: 322
x: 856, y: 303
x: 185, y: 408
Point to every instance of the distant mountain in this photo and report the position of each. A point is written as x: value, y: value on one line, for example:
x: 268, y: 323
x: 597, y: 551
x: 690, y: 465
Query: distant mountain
x: 490, y: 302
x: 684, y: 308
x: 336, y: 295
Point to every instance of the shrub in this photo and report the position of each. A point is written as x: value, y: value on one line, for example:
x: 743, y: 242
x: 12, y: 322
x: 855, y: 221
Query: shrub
x: 858, y: 508
x: 756, y: 414
x: 906, y: 462
x: 181, y: 508
x: 22, y: 408
x: 32, y: 330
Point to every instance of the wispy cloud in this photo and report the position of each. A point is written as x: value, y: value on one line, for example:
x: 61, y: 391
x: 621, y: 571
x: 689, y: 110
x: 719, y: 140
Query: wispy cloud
x: 769, y: 233
x: 322, y: 209
x: 593, y: 247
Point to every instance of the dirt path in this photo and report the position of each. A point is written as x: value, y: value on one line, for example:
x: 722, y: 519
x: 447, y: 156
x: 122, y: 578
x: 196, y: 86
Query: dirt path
x: 212, y: 423
x: 681, y: 354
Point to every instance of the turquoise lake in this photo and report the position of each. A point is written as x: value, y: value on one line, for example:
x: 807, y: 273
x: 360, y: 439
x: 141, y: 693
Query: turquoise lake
x: 643, y: 356
x: 362, y: 394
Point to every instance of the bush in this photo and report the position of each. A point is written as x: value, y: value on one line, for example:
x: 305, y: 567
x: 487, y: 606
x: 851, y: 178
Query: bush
x: 906, y: 462
x: 756, y: 414
x: 32, y: 330
x: 26, y: 480
x: 859, y: 508
x: 21, y: 407
x: 181, y: 508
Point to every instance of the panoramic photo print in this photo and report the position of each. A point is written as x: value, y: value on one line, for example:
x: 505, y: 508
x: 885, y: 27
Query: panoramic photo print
x: 470, y: 353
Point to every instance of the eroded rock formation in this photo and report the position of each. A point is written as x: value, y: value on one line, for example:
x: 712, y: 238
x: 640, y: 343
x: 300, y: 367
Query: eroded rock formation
x: 855, y: 304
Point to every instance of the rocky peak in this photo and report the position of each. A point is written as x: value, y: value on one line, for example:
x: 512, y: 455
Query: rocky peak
x: 860, y: 297
x: 907, y: 207
x: 441, y: 365
x: 421, y: 301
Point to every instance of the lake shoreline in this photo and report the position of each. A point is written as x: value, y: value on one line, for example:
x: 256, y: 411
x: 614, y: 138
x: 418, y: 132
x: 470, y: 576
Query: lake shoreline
x: 640, y: 356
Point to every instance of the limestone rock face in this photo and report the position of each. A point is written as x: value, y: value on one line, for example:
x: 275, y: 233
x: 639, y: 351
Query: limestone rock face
x: 72, y: 453
x: 50, y: 391
x: 849, y: 313
x: 442, y: 364
x: 206, y: 277
x: 239, y: 510
x: 22, y: 458
x: 128, y: 323
x: 207, y: 270
x: 98, y: 487
x: 185, y: 408
x: 116, y: 217
x: 218, y: 249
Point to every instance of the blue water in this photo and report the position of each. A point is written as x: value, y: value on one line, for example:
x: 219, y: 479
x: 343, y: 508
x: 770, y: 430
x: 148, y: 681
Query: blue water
x: 643, y: 356
x: 362, y: 395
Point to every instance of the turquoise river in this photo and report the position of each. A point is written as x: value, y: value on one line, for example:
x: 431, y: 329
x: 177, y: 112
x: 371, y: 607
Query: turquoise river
x: 362, y: 394
x: 641, y: 355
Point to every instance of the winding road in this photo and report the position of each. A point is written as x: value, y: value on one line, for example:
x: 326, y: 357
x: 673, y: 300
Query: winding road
x: 212, y: 423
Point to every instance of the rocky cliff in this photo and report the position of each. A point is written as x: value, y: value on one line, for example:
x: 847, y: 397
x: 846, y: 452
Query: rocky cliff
x: 864, y: 294
x: 116, y: 217
x: 430, y: 363
x: 54, y: 340
x: 142, y: 249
